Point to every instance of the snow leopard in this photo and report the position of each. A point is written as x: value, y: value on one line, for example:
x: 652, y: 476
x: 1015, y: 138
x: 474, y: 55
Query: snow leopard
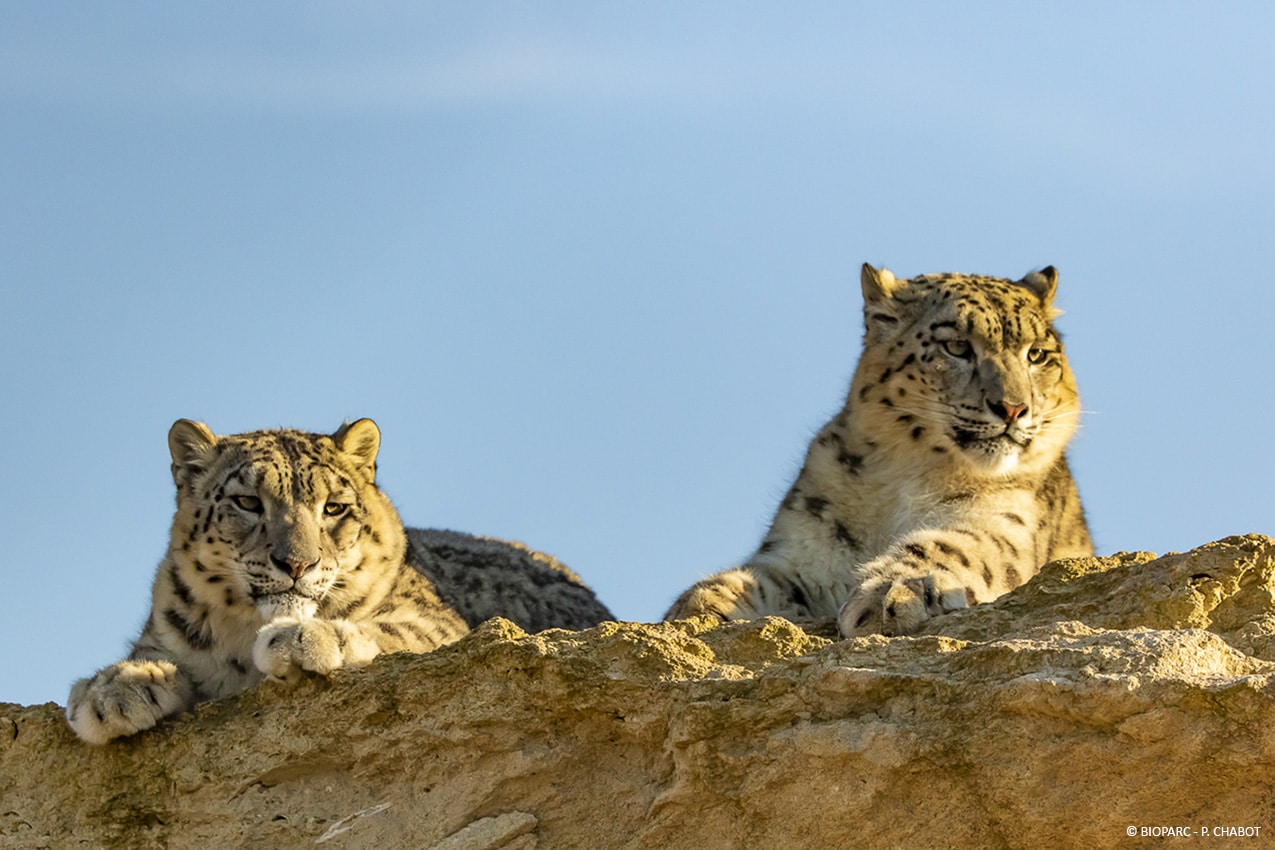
x: 285, y: 559
x: 942, y: 482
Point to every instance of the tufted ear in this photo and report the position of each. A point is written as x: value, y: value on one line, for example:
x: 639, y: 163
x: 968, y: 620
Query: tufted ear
x: 1044, y: 283
x: 190, y: 444
x: 881, y: 313
x: 878, y: 285
x: 360, y: 441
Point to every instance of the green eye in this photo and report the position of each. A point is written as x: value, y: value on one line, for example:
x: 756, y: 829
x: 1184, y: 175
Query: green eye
x: 251, y: 504
x: 335, y: 509
x: 1036, y: 356
x: 958, y: 348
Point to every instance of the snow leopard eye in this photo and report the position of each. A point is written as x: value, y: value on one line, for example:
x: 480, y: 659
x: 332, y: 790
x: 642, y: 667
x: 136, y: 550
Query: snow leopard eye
x: 335, y: 509
x: 251, y: 504
x: 958, y: 348
x: 1036, y: 355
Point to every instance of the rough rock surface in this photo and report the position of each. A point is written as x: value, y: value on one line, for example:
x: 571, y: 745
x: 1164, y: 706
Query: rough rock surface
x: 1105, y: 694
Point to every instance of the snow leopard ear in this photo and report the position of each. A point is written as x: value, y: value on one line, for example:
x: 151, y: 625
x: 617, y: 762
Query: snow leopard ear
x: 190, y: 443
x: 878, y: 285
x: 879, y: 307
x: 1043, y: 283
x: 359, y: 442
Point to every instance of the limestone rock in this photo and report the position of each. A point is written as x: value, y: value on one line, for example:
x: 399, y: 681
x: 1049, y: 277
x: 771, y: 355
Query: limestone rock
x: 1105, y: 695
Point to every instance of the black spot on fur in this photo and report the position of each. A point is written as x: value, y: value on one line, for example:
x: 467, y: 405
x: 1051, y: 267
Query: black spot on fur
x: 799, y: 596
x: 348, y: 608
x: 844, y: 536
x: 853, y: 463
x: 815, y: 506
x: 915, y: 549
x: 180, y: 587
x: 188, y: 631
x: 952, y: 552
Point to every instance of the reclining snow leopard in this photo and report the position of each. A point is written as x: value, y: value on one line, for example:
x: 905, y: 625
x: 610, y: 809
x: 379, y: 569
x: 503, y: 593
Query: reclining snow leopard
x: 285, y: 557
x: 942, y: 481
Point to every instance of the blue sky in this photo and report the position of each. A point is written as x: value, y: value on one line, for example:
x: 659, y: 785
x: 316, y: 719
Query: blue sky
x: 593, y: 267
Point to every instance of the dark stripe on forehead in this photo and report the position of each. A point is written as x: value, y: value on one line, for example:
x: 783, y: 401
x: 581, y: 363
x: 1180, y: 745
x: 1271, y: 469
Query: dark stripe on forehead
x: 295, y: 449
x: 1000, y: 314
x: 291, y: 447
x: 286, y: 461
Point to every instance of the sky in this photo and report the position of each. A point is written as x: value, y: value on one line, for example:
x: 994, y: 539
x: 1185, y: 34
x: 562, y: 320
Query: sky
x: 593, y: 267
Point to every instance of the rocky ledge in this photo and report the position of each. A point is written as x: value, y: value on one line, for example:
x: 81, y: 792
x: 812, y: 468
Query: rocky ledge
x: 1108, y: 697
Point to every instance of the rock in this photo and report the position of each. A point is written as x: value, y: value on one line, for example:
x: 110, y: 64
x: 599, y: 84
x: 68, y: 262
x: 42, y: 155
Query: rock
x: 1106, y: 695
x: 503, y: 831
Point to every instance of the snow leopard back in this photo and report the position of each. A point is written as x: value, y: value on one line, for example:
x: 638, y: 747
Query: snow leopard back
x: 483, y: 577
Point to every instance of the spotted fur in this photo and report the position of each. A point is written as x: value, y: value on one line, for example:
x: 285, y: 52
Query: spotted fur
x: 483, y: 577
x: 284, y: 557
x: 942, y: 482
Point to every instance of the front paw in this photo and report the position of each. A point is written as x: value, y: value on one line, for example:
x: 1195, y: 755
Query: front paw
x: 729, y: 595
x: 897, y: 604
x: 287, y: 648
x: 125, y: 698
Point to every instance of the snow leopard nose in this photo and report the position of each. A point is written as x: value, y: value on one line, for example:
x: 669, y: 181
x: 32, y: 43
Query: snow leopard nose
x: 292, y: 566
x: 1006, y: 411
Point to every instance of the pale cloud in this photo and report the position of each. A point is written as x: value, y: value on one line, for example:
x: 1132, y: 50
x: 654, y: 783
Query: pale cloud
x: 855, y: 73
x: 503, y: 68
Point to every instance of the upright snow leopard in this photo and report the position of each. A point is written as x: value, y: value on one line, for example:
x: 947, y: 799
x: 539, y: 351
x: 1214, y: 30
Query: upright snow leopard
x: 284, y: 556
x: 942, y: 481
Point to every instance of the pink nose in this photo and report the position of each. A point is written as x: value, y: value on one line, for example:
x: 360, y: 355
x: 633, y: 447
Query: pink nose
x: 293, y: 566
x: 1006, y: 411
